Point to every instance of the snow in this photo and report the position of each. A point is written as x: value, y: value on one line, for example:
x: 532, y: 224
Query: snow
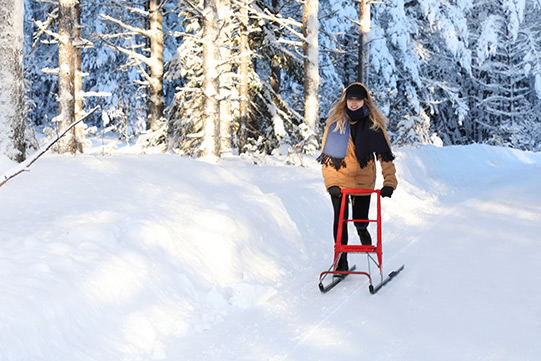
x: 160, y: 257
x: 488, y: 41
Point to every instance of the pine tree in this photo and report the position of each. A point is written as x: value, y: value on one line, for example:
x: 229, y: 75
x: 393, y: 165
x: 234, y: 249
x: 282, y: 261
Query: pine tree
x: 261, y: 118
x: 339, y: 51
x: 185, y: 113
x: 41, y: 53
x: 443, y: 39
x: 502, y: 90
x: 395, y: 71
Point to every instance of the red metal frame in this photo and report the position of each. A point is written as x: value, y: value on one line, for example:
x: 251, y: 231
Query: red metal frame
x: 339, y: 248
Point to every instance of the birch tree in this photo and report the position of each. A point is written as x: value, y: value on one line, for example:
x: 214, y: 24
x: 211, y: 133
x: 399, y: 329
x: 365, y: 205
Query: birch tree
x: 311, y: 64
x: 155, y: 63
x: 12, y: 139
x: 211, y: 105
x: 226, y: 85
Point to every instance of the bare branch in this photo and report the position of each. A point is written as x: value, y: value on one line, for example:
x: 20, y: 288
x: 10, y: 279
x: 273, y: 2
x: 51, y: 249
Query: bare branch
x: 23, y: 167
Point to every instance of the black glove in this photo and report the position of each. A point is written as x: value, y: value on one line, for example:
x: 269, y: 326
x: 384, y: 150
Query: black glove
x: 386, y: 191
x: 335, y: 191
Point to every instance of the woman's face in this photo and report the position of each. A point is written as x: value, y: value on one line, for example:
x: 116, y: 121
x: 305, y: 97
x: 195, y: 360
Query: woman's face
x: 354, y: 103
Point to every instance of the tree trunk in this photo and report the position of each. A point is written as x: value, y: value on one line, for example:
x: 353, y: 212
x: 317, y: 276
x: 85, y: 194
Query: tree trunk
x: 364, y: 36
x: 66, y: 74
x: 12, y: 141
x: 311, y: 63
x: 156, y: 67
x: 211, y: 106
x: 225, y: 86
x: 243, y: 76
x: 276, y: 73
x: 78, y: 79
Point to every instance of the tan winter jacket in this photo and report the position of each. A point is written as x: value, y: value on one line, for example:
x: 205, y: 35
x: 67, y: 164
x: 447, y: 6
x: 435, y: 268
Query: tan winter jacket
x: 352, y: 176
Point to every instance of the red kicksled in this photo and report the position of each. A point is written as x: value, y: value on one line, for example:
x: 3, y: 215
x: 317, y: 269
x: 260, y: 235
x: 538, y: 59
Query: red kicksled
x: 368, y: 250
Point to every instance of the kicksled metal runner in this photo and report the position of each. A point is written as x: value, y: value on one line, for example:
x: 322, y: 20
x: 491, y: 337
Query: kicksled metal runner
x: 369, y: 250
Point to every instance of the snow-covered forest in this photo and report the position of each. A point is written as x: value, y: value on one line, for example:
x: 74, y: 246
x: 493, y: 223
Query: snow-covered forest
x: 211, y: 248
x: 233, y: 76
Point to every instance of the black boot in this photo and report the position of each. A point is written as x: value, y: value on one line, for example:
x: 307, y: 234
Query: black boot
x: 342, y: 265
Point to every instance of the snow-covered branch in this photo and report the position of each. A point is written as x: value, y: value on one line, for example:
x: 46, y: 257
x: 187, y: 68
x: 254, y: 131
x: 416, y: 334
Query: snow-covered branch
x: 126, y: 26
x: 44, y: 28
x: 287, y: 23
x: 136, y: 10
x: 281, y: 20
x: 141, y: 69
x: 198, y: 10
x: 290, y: 42
x: 131, y: 53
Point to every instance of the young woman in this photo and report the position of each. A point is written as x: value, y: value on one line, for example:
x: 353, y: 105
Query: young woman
x: 355, y: 134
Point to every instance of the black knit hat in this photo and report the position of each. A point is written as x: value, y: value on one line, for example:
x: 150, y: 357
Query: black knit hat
x: 356, y: 91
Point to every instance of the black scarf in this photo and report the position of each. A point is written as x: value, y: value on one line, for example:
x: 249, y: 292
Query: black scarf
x: 368, y: 141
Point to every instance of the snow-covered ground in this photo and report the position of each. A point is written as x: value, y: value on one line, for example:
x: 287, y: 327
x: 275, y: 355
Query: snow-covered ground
x: 159, y: 257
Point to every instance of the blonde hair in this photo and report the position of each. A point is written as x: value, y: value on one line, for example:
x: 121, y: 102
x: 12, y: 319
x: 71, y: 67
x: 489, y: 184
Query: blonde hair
x: 338, y: 113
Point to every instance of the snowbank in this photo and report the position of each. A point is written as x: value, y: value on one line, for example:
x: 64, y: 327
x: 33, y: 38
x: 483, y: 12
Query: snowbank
x: 137, y: 257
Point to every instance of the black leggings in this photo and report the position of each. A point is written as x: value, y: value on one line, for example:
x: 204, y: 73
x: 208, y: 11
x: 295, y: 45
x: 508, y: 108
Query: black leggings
x: 361, y: 206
